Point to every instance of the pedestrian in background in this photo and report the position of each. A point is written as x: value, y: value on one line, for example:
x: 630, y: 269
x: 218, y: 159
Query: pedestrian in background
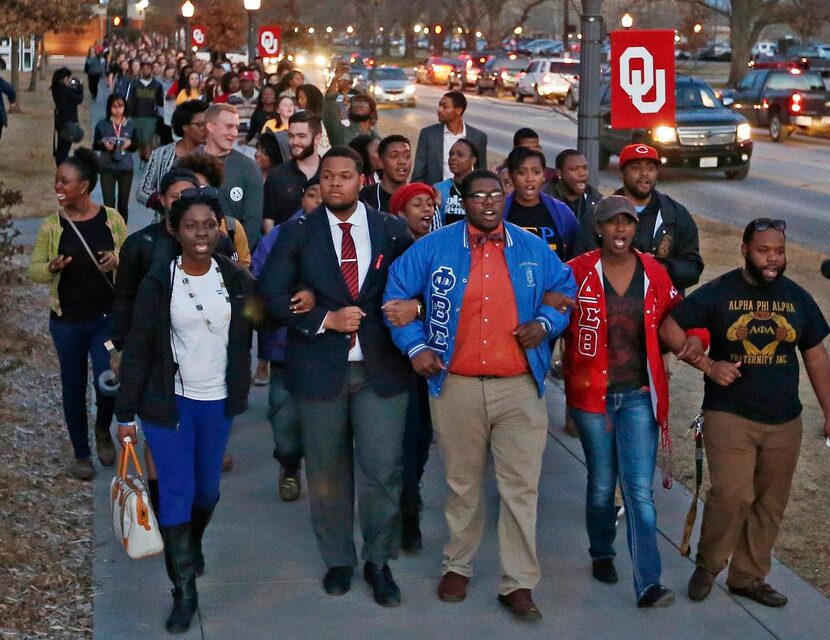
x: 113, y: 140
x: 145, y: 98
x: 463, y: 158
x: 94, y: 69
x: 67, y: 94
x: 76, y: 252
x: 7, y: 90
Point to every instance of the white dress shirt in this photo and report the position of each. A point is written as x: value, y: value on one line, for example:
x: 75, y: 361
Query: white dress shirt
x: 363, y: 247
x: 450, y: 139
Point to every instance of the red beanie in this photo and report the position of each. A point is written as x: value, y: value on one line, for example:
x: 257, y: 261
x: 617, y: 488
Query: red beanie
x: 403, y: 195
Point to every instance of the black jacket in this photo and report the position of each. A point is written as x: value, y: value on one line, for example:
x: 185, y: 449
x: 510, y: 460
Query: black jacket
x: 147, y: 367
x: 67, y: 99
x: 142, y: 249
x: 675, y: 243
x: 317, y: 364
x: 581, y: 206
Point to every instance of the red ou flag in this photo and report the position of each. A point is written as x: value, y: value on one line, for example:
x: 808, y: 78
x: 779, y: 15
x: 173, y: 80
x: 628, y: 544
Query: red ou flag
x: 198, y: 36
x: 642, y: 79
x: 269, y: 41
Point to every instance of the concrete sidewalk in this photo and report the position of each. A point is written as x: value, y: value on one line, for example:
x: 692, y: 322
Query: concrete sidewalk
x: 263, y: 569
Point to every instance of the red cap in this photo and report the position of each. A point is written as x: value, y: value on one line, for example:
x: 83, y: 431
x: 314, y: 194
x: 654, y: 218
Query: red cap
x: 638, y: 151
x: 403, y: 195
x: 247, y: 75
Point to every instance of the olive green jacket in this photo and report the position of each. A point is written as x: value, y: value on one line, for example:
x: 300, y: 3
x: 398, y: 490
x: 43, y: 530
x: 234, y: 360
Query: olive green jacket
x: 46, y: 250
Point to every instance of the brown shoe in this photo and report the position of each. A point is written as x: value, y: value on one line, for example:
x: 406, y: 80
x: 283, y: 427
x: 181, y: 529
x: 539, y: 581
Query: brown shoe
x: 700, y: 584
x: 82, y: 469
x: 521, y: 604
x: 453, y: 587
x: 105, y: 448
x: 762, y: 593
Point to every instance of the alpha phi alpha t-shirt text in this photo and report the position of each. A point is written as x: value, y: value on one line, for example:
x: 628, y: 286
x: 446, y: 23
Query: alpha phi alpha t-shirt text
x: 760, y: 327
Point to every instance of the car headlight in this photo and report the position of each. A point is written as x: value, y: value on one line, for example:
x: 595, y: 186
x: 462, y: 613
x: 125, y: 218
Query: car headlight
x: 409, y: 90
x: 377, y: 90
x: 744, y: 132
x: 664, y: 135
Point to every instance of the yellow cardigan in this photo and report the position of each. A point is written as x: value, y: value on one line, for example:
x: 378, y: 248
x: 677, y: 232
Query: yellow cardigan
x: 46, y: 250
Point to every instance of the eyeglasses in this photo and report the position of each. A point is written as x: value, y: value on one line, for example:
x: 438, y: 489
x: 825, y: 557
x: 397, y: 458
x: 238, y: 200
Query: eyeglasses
x: 481, y: 196
x: 762, y: 224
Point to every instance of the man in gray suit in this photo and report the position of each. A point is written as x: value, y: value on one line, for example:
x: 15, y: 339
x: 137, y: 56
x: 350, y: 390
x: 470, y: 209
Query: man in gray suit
x: 434, y: 142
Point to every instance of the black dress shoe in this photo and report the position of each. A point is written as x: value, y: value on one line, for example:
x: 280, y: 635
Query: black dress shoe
x: 762, y: 593
x: 386, y: 592
x: 338, y: 580
x: 603, y: 570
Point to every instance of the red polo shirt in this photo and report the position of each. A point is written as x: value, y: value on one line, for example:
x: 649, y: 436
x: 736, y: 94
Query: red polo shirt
x: 484, y: 342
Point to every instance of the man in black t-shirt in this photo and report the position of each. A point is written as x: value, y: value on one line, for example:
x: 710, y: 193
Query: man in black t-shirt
x: 756, y: 319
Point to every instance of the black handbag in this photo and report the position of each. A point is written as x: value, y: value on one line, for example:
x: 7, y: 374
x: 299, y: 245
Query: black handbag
x: 71, y: 131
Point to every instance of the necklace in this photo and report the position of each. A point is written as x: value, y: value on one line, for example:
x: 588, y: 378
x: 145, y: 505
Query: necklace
x: 222, y: 291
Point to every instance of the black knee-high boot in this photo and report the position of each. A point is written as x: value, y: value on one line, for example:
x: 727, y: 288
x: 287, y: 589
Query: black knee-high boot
x: 178, y: 556
x: 153, y: 490
x: 199, y: 519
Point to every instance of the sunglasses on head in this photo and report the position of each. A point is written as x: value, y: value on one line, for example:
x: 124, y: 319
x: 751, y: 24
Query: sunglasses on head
x: 762, y: 224
x: 200, y: 193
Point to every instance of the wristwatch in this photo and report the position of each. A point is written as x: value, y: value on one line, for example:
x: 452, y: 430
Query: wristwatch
x: 420, y: 311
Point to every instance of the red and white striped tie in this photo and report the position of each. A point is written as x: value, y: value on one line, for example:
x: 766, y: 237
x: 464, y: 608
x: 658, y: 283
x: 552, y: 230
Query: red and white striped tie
x: 348, y: 265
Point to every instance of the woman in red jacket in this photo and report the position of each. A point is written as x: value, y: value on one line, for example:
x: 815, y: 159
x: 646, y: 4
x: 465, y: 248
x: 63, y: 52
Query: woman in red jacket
x: 617, y: 392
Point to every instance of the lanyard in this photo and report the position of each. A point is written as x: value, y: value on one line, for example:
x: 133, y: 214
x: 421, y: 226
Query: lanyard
x: 117, y: 128
x: 213, y: 328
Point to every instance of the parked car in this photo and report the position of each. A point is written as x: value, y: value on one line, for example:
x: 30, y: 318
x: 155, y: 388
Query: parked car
x: 764, y: 48
x: 716, y: 51
x: 389, y: 85
x: 465, y: 75
x: 706, y: 135
x: 548, y: 79
x: 783, y: 100
x: 434, y: 70
x: 501, y: 73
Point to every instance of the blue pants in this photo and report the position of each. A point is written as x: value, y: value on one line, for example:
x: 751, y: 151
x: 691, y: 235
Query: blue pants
x: 285, y: 420
x: 622, y: 443
x: 189, y: 458
x: 75, y: 342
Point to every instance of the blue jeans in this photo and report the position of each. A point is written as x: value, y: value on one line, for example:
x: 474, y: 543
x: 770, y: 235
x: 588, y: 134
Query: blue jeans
x: 188, y: 458
x: 622, y: 444
x: 285, y: 420
x: 75, y: 342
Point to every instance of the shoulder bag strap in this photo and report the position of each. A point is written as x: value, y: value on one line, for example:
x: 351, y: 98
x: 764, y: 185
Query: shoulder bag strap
x: 86, y: 246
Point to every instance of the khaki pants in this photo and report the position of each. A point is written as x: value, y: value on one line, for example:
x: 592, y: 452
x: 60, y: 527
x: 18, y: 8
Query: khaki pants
x: 508, y: 415
x: 751, y: 467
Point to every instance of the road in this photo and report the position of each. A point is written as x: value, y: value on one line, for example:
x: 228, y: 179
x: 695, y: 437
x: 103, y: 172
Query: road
x: 788, y: 181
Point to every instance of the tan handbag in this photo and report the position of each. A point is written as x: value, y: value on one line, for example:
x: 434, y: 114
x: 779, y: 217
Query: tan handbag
x: 133, y: 521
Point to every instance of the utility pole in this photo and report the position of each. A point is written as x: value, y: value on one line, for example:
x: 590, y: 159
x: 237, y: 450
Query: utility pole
x: 593, y: 32
x: 566, y: 18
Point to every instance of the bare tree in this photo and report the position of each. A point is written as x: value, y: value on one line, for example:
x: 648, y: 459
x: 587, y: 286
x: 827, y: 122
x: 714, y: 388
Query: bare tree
x: 747, y: 18
x: 808, y: 17
x: 225, y: 23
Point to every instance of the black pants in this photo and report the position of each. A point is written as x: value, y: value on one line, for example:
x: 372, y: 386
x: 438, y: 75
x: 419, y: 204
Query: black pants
x: 164, y: 131
x: 61, y: 151
x: 417, y: 437
x: 124, y: 180
x: 93, y: 80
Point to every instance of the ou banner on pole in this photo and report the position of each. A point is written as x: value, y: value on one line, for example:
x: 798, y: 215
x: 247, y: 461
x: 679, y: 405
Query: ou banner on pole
x: 198, y: 36
x: 269, y: 41
x: 642, y: 79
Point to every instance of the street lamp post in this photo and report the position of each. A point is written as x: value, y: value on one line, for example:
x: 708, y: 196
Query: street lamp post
x: 187, y: 13
x: 252, y: 6
x: 627, y: 21
x: 697, y: 29
x: 589, y: 75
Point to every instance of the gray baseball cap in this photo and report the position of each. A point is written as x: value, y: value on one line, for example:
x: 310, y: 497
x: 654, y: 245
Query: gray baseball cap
x: 610, y: 206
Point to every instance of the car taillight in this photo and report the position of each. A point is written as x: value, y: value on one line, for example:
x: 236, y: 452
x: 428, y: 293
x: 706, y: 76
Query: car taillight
x: 795, y: 103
